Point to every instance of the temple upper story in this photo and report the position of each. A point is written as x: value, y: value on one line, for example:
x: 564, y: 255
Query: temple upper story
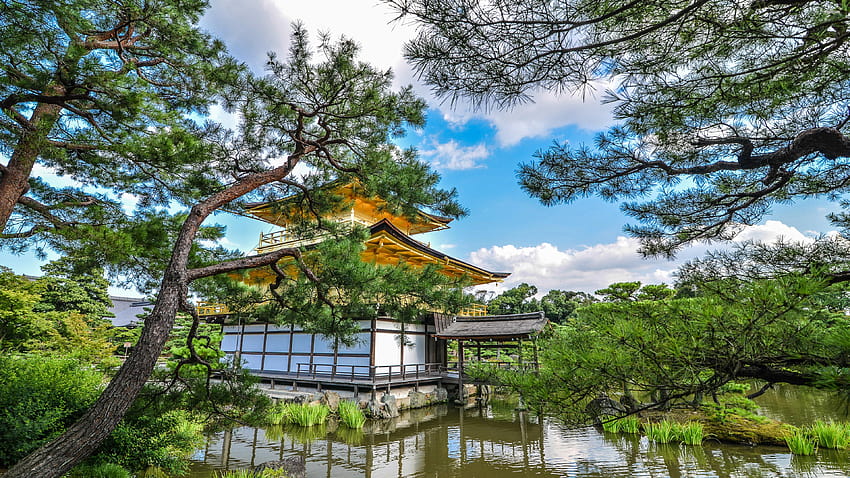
x: 389, y: 241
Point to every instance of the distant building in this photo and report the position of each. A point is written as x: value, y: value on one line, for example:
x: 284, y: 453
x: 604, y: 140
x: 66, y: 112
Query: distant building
x: 126, y: 309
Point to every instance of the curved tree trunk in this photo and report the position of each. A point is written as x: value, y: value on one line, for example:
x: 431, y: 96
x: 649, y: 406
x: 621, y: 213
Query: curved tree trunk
x: 14, y: 180
x: 83, y: 437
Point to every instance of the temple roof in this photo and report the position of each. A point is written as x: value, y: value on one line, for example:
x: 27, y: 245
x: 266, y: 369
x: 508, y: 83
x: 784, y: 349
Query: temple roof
x: 365, y: 210
x: 388, y: 244
x: 492, y: 327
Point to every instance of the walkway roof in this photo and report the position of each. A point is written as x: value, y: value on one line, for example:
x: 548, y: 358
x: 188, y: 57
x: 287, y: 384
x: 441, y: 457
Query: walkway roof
x: 493, y: 327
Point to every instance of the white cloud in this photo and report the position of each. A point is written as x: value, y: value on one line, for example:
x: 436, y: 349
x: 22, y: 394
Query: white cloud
x: 549, y: 111
x: 453, y: 156
x: 594, y: 267
x: 251, y: 29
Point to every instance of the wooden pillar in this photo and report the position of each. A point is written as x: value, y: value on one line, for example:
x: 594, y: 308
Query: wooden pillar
x: 536, y: 358
x: 519, y: 353
x: 460, y: 354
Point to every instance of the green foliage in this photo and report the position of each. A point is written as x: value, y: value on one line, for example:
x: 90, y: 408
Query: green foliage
x: 351, y: 415
x: 661, y: 432
x: 205, y: 343
x: 307, y: 415
x: 702, y: 146
x: 830, y: 435
x: 679, y: 350
x: 102, y: 470
x: 619, y: 291
x: 558, y: 305
x: 165, y: 441
x: 801, y: 443
x: 39, y: 397
x: 514, y: 301
x: 37, y: 316
x: 690, y: 433
x: 302, y: 414
x: 267, y: 473
x: 629, y: 424
x: 632, y: 291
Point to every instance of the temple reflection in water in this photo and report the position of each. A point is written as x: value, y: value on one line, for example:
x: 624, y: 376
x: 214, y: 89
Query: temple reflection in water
x: 440, y: 441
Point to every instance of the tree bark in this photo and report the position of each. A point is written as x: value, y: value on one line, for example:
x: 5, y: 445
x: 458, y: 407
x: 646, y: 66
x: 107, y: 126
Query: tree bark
x: 14, y: 180
x: 84, y: 437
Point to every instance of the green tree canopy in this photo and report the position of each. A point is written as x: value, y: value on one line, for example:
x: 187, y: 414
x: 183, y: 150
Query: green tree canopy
x: 324, y: 108
x: 724, y: 108
x: 101, y: 93
x: 677, y: 351
x: 59, y: 313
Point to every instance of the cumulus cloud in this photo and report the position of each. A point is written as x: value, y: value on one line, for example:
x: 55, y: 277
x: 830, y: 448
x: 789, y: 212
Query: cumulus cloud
x: 453, y: 156
x: 594, y: 267
x: 549, y: 111
x: 251, y: 29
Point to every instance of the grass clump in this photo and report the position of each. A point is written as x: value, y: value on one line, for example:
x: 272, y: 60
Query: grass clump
x: 304, y: 414
x: 661, y: 432
x: 801, y: 443
x: 351, y: 415
x: 267, y: 473
x: 691, y: 433
x: 830, y: 435
x: 628, y: 424
x: 307, y: 414
x: 610, y: 424
x: 280, y: 413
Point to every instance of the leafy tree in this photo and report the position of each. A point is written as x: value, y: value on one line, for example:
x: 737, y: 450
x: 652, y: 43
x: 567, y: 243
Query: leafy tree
x: 655, y: 292
x: 516, y: 300
x: 36, y: 317
x: 619, y: 292
x: 679, y: 351
x: 100, y: 92
x: 560, y: 305
x: 724, y: 108
x: 333, y: 113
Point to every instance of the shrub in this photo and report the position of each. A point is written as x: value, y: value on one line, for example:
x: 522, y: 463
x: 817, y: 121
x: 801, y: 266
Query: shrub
x: 165, y: 442
x: 39, y: 398
x: 351, y: 414
x: 830, y: 435
x: 800, y: 443
x: 102, y: 470
x: 661, y: 432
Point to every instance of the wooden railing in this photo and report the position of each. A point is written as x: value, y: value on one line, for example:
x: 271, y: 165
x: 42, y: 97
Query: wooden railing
x: 386, y: 373
x: 278, y: 239
x: 207, y: 309
x: 474, y: 310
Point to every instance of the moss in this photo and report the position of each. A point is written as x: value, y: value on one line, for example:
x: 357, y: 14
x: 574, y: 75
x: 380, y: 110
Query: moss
x: 729, y: 427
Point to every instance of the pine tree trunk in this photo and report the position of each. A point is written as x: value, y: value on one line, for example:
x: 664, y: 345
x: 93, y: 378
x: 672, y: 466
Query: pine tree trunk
x: 80, y: 440
x: 14, y: 180
x: 84, y: 437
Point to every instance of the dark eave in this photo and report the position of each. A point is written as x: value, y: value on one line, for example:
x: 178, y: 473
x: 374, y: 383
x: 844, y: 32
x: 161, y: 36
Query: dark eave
x: 494, y: 327
x: 387, y: 227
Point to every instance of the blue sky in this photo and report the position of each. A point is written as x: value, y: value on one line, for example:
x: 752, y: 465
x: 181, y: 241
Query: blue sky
x: 579, y: 246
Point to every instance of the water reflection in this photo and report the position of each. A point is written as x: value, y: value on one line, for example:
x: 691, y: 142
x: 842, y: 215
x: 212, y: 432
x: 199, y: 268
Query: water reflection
x: 494, y: 441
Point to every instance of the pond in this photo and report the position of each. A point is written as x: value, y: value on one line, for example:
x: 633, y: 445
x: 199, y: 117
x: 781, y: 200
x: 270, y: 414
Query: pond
x: 494, y: 440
